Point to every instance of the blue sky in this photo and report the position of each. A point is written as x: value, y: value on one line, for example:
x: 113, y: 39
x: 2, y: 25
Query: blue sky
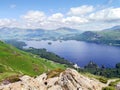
x: 47, y: 14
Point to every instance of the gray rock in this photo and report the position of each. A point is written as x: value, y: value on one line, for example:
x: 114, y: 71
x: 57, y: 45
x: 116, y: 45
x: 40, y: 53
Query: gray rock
x: 67, y: 80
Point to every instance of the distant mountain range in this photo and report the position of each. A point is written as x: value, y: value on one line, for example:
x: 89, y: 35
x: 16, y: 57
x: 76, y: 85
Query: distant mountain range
x: 114, y: 28
x: 36, y: 34
x: 109, y: 36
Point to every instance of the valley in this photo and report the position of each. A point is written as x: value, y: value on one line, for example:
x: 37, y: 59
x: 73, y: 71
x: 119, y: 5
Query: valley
x: 60, y: 45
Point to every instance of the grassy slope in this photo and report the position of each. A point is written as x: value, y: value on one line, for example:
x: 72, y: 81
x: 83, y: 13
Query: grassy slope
x: 14, y: 61
x: 110, y: 35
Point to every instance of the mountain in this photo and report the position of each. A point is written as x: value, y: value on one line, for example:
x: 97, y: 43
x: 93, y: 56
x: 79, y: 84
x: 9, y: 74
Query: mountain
x: 17, y: 33
x: 56, y: 80
x: 108, y: 36
x: 17, y: 62
x: 85, y: 36
x: 35, y: 34
x: 67, y: 30
x: 114, y: 28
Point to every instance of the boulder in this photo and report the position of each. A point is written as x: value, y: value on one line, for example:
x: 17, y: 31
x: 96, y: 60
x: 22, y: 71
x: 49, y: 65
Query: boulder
x: 69, y: 79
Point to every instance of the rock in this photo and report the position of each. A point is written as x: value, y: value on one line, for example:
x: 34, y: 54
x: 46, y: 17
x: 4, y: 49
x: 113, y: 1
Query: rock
x: 118, y: 86
x: 67, y: 80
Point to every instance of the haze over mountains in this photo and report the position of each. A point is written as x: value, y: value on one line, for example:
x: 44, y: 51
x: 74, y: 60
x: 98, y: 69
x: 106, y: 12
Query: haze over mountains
x: 41, y: 34
x: 17, y: 33
x: 114, y: 28
x: 110, y: 36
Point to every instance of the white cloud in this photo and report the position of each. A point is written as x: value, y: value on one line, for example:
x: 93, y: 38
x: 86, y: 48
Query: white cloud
x: 34, y: 19
x: 109, y: 14
x: 56, y: 17
x: 34, y: 16
x: 82, y: 10
x: 38, y: 19
x: 83, y: 17
x: 8, y: 22
x: 75, y: 20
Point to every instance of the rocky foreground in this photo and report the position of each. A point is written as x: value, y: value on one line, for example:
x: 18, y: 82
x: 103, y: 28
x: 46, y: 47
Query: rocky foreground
x: 66, y: 80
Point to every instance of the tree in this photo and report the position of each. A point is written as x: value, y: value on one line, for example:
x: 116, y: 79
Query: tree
x: 118, y: 65
x: 91, y: 65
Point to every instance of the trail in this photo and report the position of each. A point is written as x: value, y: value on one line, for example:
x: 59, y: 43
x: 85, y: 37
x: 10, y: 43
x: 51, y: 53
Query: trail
x: 109, y: 81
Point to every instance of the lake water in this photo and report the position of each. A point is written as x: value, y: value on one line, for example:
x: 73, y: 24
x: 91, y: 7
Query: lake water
x: 81, y: 52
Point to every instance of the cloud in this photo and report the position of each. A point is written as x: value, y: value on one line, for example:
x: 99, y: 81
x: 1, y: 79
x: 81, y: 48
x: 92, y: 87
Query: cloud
x: 56, y: 17
x: 7, y: 22
x: 75, y: 20
x: 38, y: 19
x: 84, y: 17
x: 109, y: 14
x: 34, y: 19
x: 82, y: 10
x: 34, y: 16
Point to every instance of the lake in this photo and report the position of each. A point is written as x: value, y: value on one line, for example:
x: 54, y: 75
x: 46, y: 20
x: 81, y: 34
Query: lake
x: 81, y: 52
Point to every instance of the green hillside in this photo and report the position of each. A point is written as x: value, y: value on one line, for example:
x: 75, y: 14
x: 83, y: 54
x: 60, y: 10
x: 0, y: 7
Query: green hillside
x: 109, y: 37
x: 14, y: 62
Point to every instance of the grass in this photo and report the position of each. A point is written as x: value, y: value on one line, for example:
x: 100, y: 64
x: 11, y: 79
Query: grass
x: 110, y: 34
x: 100, y: 78
x: 54, y: 73
x: 14, y: 61
x: 108, y: 88
x: 104, y: 80
x: 114, y: 83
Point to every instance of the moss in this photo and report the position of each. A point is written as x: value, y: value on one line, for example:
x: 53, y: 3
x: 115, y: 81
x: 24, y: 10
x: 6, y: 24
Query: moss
x: 54, y: 73
x: 13, y: 78
x: 102, y: 79
x: 108, y: 88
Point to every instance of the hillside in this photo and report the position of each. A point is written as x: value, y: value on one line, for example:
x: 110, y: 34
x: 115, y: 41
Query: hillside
x: 15, y: 62
x: 117, y: 28
x: 108, y: 36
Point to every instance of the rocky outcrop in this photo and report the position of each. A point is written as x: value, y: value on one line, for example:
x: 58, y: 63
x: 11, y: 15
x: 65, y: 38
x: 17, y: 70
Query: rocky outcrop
x: 118, y: 86
x: 66, y: 80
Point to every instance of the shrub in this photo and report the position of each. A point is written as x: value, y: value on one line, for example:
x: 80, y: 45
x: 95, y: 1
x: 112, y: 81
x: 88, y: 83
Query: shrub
x: 13, y: 79
x: 2, y: 69
x: 102, y: 79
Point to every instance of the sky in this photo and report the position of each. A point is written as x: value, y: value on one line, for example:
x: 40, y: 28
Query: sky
x: 51, y: 14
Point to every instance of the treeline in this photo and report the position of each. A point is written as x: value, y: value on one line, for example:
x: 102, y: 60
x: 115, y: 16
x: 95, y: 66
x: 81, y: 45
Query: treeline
x: 93, y: 68
x: 106, y: 42
x: 103, y: 37
x: 16, y: 43
x: 49, y: 55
